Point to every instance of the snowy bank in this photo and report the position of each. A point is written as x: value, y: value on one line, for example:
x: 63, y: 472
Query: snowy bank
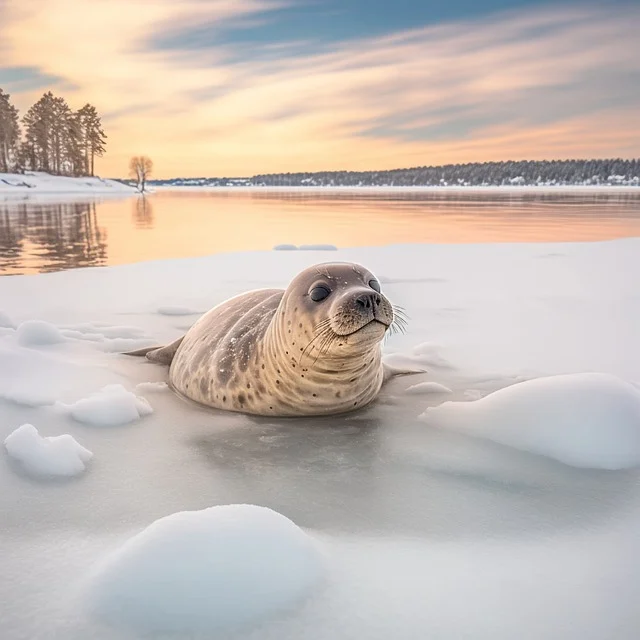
x: 585, y: 420
x: 223, y: 567
x: 34, y: 184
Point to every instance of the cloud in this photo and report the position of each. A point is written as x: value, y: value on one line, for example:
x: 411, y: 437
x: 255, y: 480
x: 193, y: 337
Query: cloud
x: 558, y: 82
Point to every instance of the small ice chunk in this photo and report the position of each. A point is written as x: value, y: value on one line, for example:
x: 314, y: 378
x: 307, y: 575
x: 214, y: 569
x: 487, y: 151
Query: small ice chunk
x: 49, y: 456
x: 177, y: 311
x: 152, y: 386
x: 218, y: 568
x: 317, y: 247
x: 285, y: 247
x: 112, y: 406
x: 587, y: 420
x: 38, y: 332
x: 428, y: 387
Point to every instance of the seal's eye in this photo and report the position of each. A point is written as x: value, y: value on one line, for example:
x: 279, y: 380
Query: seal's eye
x: 319, y: 293
x: 375, y: 285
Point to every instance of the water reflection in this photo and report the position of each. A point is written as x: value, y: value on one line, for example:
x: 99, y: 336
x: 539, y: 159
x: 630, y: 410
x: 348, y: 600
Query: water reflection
x: 174, y: 224
x: 50, y: 237
x: 143, y: 213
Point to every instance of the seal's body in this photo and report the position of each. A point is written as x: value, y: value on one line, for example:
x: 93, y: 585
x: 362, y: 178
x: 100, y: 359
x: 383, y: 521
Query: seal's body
x: 312, y: 349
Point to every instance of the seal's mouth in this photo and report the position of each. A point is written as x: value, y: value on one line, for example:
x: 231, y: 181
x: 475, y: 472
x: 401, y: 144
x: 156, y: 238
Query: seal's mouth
x: 368, y: 324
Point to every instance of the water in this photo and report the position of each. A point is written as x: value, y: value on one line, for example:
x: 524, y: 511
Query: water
x: 38, y: 237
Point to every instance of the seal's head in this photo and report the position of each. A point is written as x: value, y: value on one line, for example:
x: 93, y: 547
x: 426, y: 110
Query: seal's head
x: 345, y: 311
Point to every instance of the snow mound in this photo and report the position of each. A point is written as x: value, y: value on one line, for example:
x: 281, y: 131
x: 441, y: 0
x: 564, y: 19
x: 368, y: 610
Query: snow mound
x: 38, y: 332
x: 428, y: 387
x: 285, y: 247
x: 587, y: 420
x: 221, y: 567
x: 6, y: 322
x: 112, y: 406
x: 50, y: 456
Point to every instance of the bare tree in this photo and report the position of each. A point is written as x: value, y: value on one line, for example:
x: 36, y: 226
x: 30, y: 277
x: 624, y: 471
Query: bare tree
x: 140, y: 168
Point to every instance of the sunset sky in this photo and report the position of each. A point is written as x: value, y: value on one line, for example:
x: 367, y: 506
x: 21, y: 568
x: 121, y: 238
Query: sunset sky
x: 239, y: 87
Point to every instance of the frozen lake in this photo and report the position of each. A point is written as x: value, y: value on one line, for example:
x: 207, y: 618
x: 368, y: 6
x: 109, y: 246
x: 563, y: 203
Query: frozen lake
x: 427, y: 531
x: 38, y: 237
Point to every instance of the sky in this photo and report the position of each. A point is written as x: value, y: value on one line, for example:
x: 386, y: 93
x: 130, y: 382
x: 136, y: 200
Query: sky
x: 242, y: 87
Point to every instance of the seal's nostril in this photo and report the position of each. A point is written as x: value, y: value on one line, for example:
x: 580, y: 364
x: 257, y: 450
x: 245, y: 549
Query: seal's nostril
x: 367, y: 301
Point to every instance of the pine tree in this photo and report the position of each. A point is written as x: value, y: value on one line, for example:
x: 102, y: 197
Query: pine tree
x: 38, y: 124
x: 9, y: 133
x: 94, y: 136
x: 75, y: 146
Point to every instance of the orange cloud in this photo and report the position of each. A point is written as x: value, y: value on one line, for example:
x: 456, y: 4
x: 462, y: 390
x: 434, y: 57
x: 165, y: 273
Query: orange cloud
x: 554, y: 83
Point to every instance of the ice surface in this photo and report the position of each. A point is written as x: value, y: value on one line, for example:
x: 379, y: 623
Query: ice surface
x: 111, y: 406
x: 222, y: 567
x: 585, y: 420
x: 38, y: 332
x: 49, y: 456
x: 427, y: 532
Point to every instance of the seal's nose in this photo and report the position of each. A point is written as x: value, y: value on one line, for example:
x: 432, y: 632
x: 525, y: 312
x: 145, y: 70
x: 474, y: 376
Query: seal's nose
x: 368, y: 300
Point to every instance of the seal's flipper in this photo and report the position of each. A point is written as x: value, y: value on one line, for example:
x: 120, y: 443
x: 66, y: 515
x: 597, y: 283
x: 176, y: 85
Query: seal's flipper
x: 390, y: 372
x: 159, y: 355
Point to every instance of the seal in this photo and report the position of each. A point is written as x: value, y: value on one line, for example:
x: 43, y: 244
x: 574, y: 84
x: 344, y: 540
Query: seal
x: 313, y: 349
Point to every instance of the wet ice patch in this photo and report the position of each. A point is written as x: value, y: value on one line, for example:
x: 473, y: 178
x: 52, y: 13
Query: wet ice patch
x: 38, y: 333
x: 219, y: 568
x: 428, y: 388
x: 112, y: 406
x: 585, y: 420
x: 46, y: 456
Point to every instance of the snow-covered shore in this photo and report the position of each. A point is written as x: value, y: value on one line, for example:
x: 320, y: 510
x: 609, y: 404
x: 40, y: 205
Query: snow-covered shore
x: 443, y: 510
x: 37, y: 185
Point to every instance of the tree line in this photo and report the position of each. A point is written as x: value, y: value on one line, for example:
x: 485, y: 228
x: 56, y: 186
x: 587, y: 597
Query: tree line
x: 526, y: 172
x: 52, y: 138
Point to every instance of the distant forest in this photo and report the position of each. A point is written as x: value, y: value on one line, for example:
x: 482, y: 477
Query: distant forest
x: 53, y: 137
x: 525, y: 172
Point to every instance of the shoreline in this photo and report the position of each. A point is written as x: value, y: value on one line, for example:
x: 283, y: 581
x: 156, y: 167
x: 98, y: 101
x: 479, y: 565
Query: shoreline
x: 407, y: 189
